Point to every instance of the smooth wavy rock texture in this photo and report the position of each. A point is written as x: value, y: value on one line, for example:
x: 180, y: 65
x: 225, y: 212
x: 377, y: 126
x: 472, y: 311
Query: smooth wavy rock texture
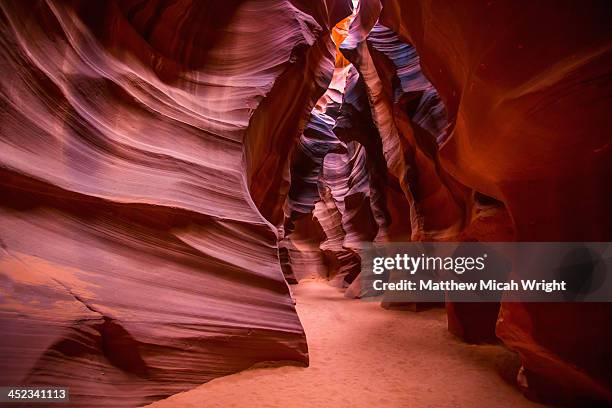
x: 328, y: 209
x: 411, y: 121
x: 135, y: 262
x: 526, y: 87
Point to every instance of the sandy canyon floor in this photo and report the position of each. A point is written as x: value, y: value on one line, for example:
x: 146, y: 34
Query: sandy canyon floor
x: 362, y: 355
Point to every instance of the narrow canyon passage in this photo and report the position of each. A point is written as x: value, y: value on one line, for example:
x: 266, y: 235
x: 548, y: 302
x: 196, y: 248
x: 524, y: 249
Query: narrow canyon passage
x: 362, y: 355
x: 190, y: 192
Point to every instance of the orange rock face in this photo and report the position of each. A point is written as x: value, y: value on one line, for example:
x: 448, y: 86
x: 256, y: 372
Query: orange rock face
x: 526, y: 89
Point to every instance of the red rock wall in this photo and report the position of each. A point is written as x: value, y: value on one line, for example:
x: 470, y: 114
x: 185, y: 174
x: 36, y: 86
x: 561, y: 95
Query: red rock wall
x: 526, y: 86
x: 134, y: 144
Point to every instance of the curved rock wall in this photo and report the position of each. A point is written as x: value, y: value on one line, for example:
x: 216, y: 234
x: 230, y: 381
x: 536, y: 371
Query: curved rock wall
x: 526, y: 86
x: 135, y: 263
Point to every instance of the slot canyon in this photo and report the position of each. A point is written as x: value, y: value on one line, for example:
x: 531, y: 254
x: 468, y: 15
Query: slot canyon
x: 187, y: 189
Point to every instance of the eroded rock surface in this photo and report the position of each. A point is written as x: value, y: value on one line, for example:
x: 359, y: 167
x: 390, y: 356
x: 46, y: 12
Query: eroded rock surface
x: 135, y: 137
x: 526, y: 87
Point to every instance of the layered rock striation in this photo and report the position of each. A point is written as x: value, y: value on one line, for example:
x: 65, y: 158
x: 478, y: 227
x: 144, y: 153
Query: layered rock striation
x: 525, y: 88
x: 136, y: 258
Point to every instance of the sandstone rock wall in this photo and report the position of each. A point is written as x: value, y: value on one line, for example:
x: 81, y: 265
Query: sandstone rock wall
x: 135, y: 139
x: 526, y: 87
